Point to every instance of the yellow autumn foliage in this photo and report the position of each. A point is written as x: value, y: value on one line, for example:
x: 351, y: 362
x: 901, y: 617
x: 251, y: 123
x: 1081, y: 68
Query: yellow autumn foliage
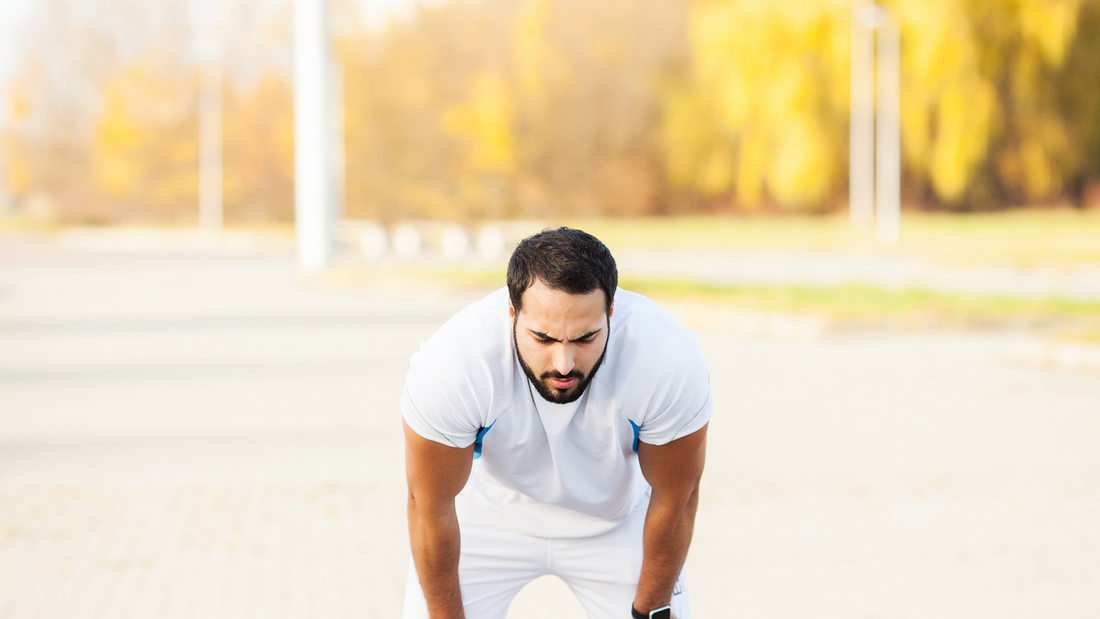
x: 767, y: 97
x: 1049, y: 25
x: 483, y: 124
x: 760, y: 113
x: 537, y: 107
x: 144, y: 149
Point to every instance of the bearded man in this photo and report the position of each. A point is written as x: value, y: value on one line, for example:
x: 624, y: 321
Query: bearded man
x: 558, y: 426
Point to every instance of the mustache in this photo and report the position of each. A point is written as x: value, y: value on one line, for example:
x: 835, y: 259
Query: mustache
x: 559, y: 376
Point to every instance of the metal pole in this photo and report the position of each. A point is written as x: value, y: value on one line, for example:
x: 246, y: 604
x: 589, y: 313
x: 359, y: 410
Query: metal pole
x: 210, y: 147
x: 888, y: 134
x: 861, y: 137
x: 313, y: 191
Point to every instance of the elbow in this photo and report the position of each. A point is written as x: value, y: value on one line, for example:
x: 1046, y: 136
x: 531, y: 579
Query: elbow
x: 417, y: 507
x: 680, y: 499
x: 690, y: 497
x: 692, y: 503
x: 424, y: 508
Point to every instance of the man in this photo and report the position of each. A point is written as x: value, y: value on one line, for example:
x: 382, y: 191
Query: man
x: 586, y: 409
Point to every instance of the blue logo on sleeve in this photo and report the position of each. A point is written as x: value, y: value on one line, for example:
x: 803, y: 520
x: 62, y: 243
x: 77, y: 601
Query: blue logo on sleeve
x: 637, y: 428
x: 483, y: 430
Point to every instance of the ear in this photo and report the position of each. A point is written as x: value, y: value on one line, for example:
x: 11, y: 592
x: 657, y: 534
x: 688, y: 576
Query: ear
x: 511, y: 310
x: 611, y: 310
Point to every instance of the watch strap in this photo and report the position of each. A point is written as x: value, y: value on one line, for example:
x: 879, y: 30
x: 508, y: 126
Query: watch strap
x: 664, y: 612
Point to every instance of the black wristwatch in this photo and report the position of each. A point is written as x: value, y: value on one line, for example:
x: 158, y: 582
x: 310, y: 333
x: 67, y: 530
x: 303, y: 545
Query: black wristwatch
x: 664, y: 612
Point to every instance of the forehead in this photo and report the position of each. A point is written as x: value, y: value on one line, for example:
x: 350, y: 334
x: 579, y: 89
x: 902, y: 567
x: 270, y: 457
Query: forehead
x: 542, y: 303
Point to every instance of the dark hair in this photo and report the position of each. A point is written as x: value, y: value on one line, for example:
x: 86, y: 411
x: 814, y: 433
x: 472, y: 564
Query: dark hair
x: 563, y: 259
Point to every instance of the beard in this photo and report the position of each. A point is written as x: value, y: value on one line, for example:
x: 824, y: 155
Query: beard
x: 549, y: 392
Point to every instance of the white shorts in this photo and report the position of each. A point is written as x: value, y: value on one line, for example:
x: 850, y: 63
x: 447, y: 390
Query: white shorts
x: 496, y: 562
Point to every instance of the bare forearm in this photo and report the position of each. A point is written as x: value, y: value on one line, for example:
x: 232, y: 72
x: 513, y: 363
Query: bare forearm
x: 666, y: 538
x: 435, y: 544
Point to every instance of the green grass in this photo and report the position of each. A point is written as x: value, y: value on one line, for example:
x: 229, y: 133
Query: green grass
x: 1024, y: 238
x: 869, y: 305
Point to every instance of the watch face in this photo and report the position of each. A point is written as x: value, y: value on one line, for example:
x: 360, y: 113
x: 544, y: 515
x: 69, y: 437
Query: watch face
x: 664, y: 613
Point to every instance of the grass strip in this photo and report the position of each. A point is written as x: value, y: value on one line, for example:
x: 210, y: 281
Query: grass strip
x: 861, y: 304
x: 1023, y: 238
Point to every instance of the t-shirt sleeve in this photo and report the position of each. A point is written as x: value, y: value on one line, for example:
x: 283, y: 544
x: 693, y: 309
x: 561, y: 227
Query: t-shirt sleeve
x: 669, y: 384
x: 680, y: 402
x: 448, y: 386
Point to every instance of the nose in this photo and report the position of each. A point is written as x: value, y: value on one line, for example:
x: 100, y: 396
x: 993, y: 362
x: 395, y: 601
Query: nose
x: 564, y: 359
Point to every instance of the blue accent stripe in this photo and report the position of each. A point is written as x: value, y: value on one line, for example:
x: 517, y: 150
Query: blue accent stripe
x: 637, y: 428
x: 477, y: 441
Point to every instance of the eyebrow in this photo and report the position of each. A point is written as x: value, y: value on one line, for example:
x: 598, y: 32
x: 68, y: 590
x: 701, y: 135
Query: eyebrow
x: 543, y: 336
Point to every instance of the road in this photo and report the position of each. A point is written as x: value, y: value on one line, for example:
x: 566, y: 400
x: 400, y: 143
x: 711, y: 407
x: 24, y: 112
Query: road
x: 215, y: 435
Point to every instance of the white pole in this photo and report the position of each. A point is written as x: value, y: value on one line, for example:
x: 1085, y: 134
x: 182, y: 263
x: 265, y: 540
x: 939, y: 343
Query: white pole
x: 338, y: 146
x: 861, y: 136
x: 313, y: 191
x: 888, y: 135
x: 6, y: 205
x: 210, y: 147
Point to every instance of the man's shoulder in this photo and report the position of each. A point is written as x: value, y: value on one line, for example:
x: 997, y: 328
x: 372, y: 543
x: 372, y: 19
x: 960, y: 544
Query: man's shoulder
x: 659, y: 377
x: 458, y: 372
x: 477, y: 334
x: 644, y: 326
x: 649, y: 348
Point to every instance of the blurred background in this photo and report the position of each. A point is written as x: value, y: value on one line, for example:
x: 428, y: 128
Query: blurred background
x: 225, y: 226
x: 516, y: 108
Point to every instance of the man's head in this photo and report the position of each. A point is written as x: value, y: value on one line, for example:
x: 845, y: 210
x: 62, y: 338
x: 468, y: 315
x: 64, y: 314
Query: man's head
x: 561, y: 288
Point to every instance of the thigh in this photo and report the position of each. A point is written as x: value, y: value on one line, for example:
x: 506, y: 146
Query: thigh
x: 494, y: 564
x: 603, y: 571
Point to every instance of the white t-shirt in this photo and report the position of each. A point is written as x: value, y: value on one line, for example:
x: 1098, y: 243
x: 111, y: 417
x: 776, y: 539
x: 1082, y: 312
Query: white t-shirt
x: 557, y: 470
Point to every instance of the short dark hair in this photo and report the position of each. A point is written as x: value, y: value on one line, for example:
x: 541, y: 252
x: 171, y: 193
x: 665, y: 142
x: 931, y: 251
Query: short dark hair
x: 563, y: 259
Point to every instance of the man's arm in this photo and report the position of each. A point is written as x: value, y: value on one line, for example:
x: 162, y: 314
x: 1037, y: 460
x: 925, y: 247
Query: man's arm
x: 436, y: 473
x: 673, y: 471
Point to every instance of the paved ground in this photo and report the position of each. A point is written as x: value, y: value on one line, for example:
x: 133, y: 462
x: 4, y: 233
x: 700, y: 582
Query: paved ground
x: 214, y: 436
